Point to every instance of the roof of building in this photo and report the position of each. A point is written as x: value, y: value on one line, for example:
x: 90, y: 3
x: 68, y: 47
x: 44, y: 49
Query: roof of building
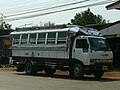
x: 5, y: 32
x: 115, y: 5
x: 102, y: 26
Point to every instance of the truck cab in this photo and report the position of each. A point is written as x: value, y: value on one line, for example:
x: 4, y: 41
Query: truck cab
x: 93, y: 53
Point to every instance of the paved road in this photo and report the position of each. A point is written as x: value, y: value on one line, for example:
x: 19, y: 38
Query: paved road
x: 20, y: 81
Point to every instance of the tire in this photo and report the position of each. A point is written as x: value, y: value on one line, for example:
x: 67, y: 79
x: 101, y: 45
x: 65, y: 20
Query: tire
x: 98, y: 74
x: 20, y: 67
x: 30, y: 69
x: 49, y: 71
x: 77, y: 71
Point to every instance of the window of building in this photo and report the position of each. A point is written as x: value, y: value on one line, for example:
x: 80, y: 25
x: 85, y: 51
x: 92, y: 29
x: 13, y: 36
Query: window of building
x: 62, y: 38
x: 16, y: 39
x: 51, y: 38
x: 24, y: 39
x: 32, y: 39
x: 41, y: 38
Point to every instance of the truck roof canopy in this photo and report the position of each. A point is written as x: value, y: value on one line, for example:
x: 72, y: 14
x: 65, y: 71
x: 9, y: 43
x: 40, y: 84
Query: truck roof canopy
x: 73, y: 29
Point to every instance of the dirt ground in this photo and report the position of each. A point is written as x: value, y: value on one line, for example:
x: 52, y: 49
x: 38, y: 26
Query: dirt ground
x: 115, y: 74
x: 112, y: 74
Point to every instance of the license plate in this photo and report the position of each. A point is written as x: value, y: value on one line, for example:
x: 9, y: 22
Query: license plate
x: 104, y: 67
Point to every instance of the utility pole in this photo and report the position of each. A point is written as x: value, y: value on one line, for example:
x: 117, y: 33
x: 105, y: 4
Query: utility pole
x: 1, y: 18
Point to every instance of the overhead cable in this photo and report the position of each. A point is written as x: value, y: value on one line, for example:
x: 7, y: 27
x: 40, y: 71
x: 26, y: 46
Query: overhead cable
x: 27, y: 6
x: 52, y: 12
x: 17, y: 2
x: 47, y: 8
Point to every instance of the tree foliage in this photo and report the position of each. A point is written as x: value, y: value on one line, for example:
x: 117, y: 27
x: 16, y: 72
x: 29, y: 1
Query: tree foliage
x: 5, y: 26
x: 87, y: 17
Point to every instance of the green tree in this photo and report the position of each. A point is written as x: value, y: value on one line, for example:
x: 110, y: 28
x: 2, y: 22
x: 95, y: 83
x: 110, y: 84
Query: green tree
x: 5, y: 26
x: 87, y: 17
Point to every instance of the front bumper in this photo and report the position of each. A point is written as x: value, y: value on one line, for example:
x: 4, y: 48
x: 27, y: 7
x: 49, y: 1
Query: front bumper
x: 100, y: 67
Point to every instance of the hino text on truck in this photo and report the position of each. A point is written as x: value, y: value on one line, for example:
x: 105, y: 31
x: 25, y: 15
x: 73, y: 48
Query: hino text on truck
x: 76, y: 49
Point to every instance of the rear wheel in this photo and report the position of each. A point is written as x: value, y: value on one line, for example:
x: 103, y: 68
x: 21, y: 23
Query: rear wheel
x: 77, y: 71
x: 20, y: 67
x: 30, y: 69
x: 98, y: 74
x: 49, y: 71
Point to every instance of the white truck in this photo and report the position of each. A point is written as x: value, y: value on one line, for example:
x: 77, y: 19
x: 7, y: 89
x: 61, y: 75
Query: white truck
x: 76, y: 49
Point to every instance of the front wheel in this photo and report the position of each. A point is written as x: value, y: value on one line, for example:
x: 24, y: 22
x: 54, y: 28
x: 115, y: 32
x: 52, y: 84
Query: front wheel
x: 98, y: 74
x: 77, y: 71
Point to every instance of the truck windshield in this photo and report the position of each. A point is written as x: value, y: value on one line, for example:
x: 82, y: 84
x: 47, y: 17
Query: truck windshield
x: 99, y: 44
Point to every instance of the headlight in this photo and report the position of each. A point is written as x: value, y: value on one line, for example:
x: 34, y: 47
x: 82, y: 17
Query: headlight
x: 110, y: 60
x: 92, y: 61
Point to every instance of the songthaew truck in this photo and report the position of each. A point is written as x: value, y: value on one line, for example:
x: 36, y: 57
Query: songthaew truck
x: 76, y: 49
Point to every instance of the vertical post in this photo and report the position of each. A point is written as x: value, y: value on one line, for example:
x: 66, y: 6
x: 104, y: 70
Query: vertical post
x: 1, y: 18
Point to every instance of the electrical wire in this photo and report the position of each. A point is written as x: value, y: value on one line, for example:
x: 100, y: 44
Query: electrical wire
x: 32, y: 5
x: 47, y: 8
x: 52, y: 12
x: 16, y: 3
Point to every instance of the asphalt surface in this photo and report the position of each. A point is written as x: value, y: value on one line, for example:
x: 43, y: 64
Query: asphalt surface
x: 19, y: 81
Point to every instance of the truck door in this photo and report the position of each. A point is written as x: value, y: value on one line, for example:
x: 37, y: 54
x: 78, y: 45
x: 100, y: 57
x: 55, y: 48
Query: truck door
x: 80, y: 50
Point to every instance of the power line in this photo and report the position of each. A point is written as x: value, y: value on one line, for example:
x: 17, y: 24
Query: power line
x: 36, y: 15
x: 16, y: 2
x: 26, y: 5
x: 32, y: 7
x: 20, y: 9
x: 31, y: 16
x: 47, y: 8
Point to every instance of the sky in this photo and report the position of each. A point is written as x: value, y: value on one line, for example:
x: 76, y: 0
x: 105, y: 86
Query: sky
x: 15, y: 7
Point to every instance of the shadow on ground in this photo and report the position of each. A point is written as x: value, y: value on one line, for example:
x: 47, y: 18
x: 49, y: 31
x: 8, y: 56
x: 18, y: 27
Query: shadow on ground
x: 85, y: 78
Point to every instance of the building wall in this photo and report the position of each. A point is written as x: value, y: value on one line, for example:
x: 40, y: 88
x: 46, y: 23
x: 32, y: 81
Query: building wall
x: 114, y: 29
x: 114, y: 42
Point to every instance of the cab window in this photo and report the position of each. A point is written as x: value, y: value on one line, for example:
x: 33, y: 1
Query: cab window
x: 82, y: 43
